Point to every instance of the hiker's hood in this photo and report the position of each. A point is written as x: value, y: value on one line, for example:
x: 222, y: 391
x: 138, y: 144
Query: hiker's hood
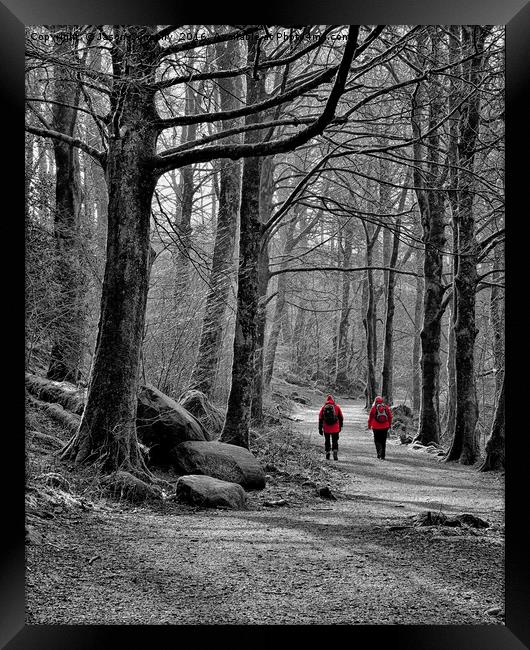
x: 330, y: 399
x: 378, y: 399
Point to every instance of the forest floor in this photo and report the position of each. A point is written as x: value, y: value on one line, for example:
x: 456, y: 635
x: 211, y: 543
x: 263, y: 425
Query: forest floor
x: 354, y: 560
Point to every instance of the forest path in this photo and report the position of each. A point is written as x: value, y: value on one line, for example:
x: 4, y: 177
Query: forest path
x: 412, y: 481
x: 354, y: 560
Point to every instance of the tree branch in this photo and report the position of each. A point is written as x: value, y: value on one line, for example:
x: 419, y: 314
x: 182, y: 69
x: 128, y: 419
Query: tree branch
x: 235, y: 72
x: 99, y: 156
x: 163, y: 163
x: 303, y: 269
x: 199, y: 42
x: 287, y: 96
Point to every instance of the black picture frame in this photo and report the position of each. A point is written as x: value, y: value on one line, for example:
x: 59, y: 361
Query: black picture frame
x: 515, y: 14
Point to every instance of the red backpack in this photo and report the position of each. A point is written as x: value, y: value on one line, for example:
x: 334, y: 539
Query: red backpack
x: 329, y: 414
x: 380, y: 412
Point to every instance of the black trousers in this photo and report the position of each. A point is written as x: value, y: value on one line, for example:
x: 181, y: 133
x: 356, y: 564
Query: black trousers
x: 380, y: 441
x: 331, y: 441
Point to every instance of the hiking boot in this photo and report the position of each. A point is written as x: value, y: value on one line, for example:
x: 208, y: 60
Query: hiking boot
x: 327, y: 455
x: 335, y: 455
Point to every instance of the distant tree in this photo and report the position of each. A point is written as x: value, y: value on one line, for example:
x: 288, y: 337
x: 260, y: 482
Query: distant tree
x: 67, y: 349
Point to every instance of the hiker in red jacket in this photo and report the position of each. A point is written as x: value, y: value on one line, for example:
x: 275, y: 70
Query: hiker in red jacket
x: 329, y: 425
x: 379, y: 421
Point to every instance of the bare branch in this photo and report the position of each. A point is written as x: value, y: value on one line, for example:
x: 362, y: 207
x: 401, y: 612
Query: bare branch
x: 100, y: 156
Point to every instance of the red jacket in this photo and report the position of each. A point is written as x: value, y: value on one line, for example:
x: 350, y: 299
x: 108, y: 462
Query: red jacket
x: 337, y: 425
x: 373, y: 423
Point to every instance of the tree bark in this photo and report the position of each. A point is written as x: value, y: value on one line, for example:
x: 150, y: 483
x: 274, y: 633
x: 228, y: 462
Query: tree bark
x: 67, y: 348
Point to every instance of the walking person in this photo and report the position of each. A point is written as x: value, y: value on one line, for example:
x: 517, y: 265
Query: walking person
x: 329, y: 425
x: 379, y: 420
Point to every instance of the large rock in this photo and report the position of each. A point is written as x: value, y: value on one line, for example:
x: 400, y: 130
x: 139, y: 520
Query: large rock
x: 162, y: 424
x: 401, y: 411
x: 210, y: 492
x: 64, y: 393
x: 220, y: 460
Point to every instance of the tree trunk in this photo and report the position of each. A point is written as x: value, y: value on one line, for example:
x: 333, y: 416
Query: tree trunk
x: 237, y: 422
x: 265, y: 205
x: 279, y: 309
x: 297, y: 341
x: 107, y: 433
x: 28, y: 175
x: 450, y: 412
x: 341, y: 377
x: 67, y: 349
x: 211, y: 342
x: 416, y: 348
x: 464, y: 447
x: 495, y: 446
x: 431, y: 207
x: 43, y: 184
x: 183, y: 225
x: 369, y: 319
x: 497, y: 318
x: 452, y: 156
x: 387, y: 373
x: 429, y: 427
x: 97, y: 174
